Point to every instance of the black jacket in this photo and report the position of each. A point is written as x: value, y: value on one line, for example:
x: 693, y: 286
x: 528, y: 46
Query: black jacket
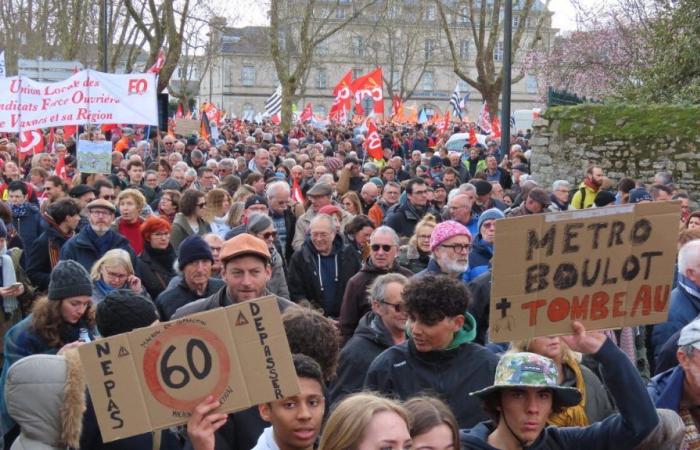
x: 403, y: 372
x: 479, y: 303
x: 220, y: 299
x: 170, y: 300
x: 355, y: 301
x: 404, y: 218
x: 304, y: 273
x: 290, y: 223
x: 370, y: 339
x: 39, y: 258
x: 155, y: 276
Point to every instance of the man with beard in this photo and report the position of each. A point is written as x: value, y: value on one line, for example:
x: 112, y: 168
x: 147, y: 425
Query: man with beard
x: 404, y: 217
x: 98, y: 238
x: 585, y: 195
x: 450, y: 243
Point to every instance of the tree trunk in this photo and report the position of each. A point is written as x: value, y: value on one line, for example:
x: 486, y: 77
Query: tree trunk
x: 287, y: 100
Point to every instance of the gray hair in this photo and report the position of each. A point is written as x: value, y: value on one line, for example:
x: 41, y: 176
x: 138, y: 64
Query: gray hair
x: 196, y: 153
x: 462, y: 189
x: 228, y: 163
x: 329, y: 219
x: 274, y: 187
x: 559, y: 184
x: 191, y: 172
x: 689, y: 256
x: 261, y: 151
x: 387, y: 230
x: 370, y: 166
x: 212, y: 164
x: 377, y: 290
x: 668, y: 434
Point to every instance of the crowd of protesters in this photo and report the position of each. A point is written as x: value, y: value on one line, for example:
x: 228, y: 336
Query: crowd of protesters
x: 381, y: 269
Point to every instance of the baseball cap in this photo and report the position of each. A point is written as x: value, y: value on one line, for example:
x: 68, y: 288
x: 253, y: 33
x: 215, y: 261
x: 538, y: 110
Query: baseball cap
x: 244, y: 244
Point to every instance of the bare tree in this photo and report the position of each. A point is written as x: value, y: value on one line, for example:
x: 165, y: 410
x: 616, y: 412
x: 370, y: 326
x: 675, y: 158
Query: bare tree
x: 480, y: 23
x: 297, y: 27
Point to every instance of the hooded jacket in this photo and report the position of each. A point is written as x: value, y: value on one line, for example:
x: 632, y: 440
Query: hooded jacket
x: 479, y: 258
x: 45, y: 395
x: 637, y: 417
x: 370, y: 339
x: 356, y: 299
x: 402, y: 371
x: 305, y: 274
x: 43, y: 256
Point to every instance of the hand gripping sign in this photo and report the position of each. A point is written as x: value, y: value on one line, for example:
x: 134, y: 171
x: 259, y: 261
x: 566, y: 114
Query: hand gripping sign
x: 607, y: 267
x: 152, y: 378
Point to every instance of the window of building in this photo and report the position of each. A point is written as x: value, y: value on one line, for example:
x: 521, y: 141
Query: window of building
x: 394, y: 11
x: 429, y: 48
x: 340, y: 13
x: 463, y: 15
x: 357, y: 46
x: 498, y: 52
x: 463, y: 86
x: 531, y: 84
x: 322, y: 49
x: 248, y: 76
x: 429, y: 13
x: 395, y: 79
x: 356, y: 73
x: 248, y: 112
x: 464, y: 48
x: 427, y: 82
x: 516, y: 20
x: 321, y: 81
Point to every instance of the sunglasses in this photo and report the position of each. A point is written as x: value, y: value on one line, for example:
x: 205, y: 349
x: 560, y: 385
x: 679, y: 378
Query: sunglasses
x: 385, y: 247
x: 398, y: 307
x: 270, y: 235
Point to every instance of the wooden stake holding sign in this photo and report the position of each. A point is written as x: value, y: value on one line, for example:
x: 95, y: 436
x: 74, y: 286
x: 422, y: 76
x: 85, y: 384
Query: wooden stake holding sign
x: 152, y: 378
x: 607, y: 267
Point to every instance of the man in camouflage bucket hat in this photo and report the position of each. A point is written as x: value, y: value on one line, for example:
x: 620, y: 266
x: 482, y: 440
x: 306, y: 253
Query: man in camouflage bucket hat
x: 525, y: 393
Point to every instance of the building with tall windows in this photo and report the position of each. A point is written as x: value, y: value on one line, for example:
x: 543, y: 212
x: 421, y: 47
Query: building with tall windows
x: 404, y: 37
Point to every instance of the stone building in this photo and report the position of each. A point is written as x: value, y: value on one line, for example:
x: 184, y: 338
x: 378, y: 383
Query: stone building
x: 242, y: 74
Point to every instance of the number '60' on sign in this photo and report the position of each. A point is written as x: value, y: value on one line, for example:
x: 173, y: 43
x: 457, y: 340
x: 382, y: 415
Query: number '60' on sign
x: 186, y: 356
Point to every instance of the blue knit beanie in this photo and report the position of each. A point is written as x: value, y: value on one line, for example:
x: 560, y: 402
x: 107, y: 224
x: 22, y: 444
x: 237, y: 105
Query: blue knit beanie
x: 489, y: 214
x: 192, y: 249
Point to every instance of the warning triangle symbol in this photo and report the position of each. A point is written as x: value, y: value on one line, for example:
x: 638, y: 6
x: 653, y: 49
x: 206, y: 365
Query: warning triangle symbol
x: 241, y: 320
x: 123, y: 352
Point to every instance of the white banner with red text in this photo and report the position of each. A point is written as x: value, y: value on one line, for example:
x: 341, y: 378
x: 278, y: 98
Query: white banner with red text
x: 88, y: 97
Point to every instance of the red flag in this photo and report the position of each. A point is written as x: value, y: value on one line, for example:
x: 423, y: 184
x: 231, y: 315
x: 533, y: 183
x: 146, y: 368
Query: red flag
x: 61, y: 168
x: 396, y: 106
x: 69, y: 131
x: 204, y: 127
x: 495, y: 128
x: 472, y: 136
x: 444, y: 124
x: 342, y: 94
x: 370, y: 85
x: 484, y: 121
x: 31, y: 142
x: 178, y: 113
x: 373, y: 144
x: 51, y: 140
x: 160, y: 62
x: 276, y: 119
x: 307, y: 113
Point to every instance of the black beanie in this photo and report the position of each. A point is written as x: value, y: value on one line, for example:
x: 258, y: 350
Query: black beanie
x: 192, y: 249
x: 122, y: 311
x: 69, y: 279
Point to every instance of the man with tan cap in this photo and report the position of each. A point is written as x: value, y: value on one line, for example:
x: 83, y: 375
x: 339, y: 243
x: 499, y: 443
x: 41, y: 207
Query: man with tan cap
x: 245, y: 268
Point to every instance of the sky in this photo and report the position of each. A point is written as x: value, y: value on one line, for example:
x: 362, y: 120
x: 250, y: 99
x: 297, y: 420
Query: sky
x: 564, y: 13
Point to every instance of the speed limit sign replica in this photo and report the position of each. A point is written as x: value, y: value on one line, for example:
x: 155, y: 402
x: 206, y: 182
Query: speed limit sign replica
x: 153, y: 377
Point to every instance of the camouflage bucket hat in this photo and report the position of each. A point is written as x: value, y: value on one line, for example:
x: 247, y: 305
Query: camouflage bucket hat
x: 530, y: 370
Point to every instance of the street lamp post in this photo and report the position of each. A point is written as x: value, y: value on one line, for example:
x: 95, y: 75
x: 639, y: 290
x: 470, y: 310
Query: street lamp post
x: 505, y: 95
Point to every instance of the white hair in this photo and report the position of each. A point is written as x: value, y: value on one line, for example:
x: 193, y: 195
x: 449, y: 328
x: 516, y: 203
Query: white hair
x: 191, y: 173
x: 181, y: 165
x: 274, y: 187
x: 462, y: 189
x: 689, y: 256
x: 560, y: 183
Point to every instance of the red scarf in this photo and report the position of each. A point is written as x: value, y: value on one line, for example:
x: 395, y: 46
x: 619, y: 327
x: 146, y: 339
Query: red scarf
x: 132, y: 232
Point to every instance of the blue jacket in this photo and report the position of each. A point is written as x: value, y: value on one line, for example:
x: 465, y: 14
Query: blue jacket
x: 479, y: 258
x: 79, y: 248
x: 637, y: 417
x: 682, y: 310
x: 666, y: 389
x: 29, y: 227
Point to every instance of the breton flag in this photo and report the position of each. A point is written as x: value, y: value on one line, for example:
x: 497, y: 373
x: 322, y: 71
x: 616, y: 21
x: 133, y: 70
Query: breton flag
x: 273, y: 105
x: 456, y: 102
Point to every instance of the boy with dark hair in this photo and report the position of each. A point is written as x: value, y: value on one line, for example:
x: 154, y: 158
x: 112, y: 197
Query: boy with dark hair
x: 296, y: 420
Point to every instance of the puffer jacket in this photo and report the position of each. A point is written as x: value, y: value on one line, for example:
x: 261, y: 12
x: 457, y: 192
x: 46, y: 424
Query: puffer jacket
x: 370, y: 339
x: 682, y: 310
x: 45, y: 395
x: 479, y: 258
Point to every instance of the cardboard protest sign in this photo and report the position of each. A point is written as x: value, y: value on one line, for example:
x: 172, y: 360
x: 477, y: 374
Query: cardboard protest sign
x: 153, y: 377
x: 94, y: 157
x: 607, y: 267
x: 87, y: 97
x: 186, y: 127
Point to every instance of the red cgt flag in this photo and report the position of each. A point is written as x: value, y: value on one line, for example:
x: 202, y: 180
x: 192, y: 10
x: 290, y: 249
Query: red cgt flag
x: 160, y: 62
x: 495, y: 128
x: 472, y: 136
x: 444, y: 124
x: 31, y: 142
x: 342, y: 94
x: 307, y: 113
x: 370, y: 85
x: 178, y: 113
x: 373, y: 144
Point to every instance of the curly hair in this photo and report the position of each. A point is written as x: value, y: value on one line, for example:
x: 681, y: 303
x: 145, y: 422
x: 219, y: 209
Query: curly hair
x: 47, y: 320
x: 312, y: 334
x: 432, y: 298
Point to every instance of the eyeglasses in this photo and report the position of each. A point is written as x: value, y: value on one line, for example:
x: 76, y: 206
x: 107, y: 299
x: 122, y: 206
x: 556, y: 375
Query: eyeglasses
x: 386, y: 247
x: 161, y: 234
x: 116, y: 276
x: 458, y: 248
x: 398, y: 307
x: 201, y: 205
x: 270, y: 235
x: 101, y: 212
x: 108, y: 197
x: 424, y: 237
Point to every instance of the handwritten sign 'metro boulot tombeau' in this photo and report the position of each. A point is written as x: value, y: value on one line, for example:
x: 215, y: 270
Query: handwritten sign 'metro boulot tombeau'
x: 608, y: 267
x: 152, y: 378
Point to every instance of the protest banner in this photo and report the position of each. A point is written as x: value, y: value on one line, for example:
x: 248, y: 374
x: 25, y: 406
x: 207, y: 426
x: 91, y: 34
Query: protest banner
x: 186, y: 127
x: 238, y: 354
x: 87, y: 97
x: 94, y: 157
x: 606, y: 267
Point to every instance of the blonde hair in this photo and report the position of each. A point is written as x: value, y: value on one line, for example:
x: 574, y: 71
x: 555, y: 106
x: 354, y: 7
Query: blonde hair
x: 523, y: 345
x: 427, y: 221
x: 135, y: 194
x: 215, y: 200
x: 114, y: 257
x: 348, y: 422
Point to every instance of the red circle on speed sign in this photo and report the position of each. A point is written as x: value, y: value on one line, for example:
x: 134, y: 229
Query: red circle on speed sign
x: 154, y: 352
